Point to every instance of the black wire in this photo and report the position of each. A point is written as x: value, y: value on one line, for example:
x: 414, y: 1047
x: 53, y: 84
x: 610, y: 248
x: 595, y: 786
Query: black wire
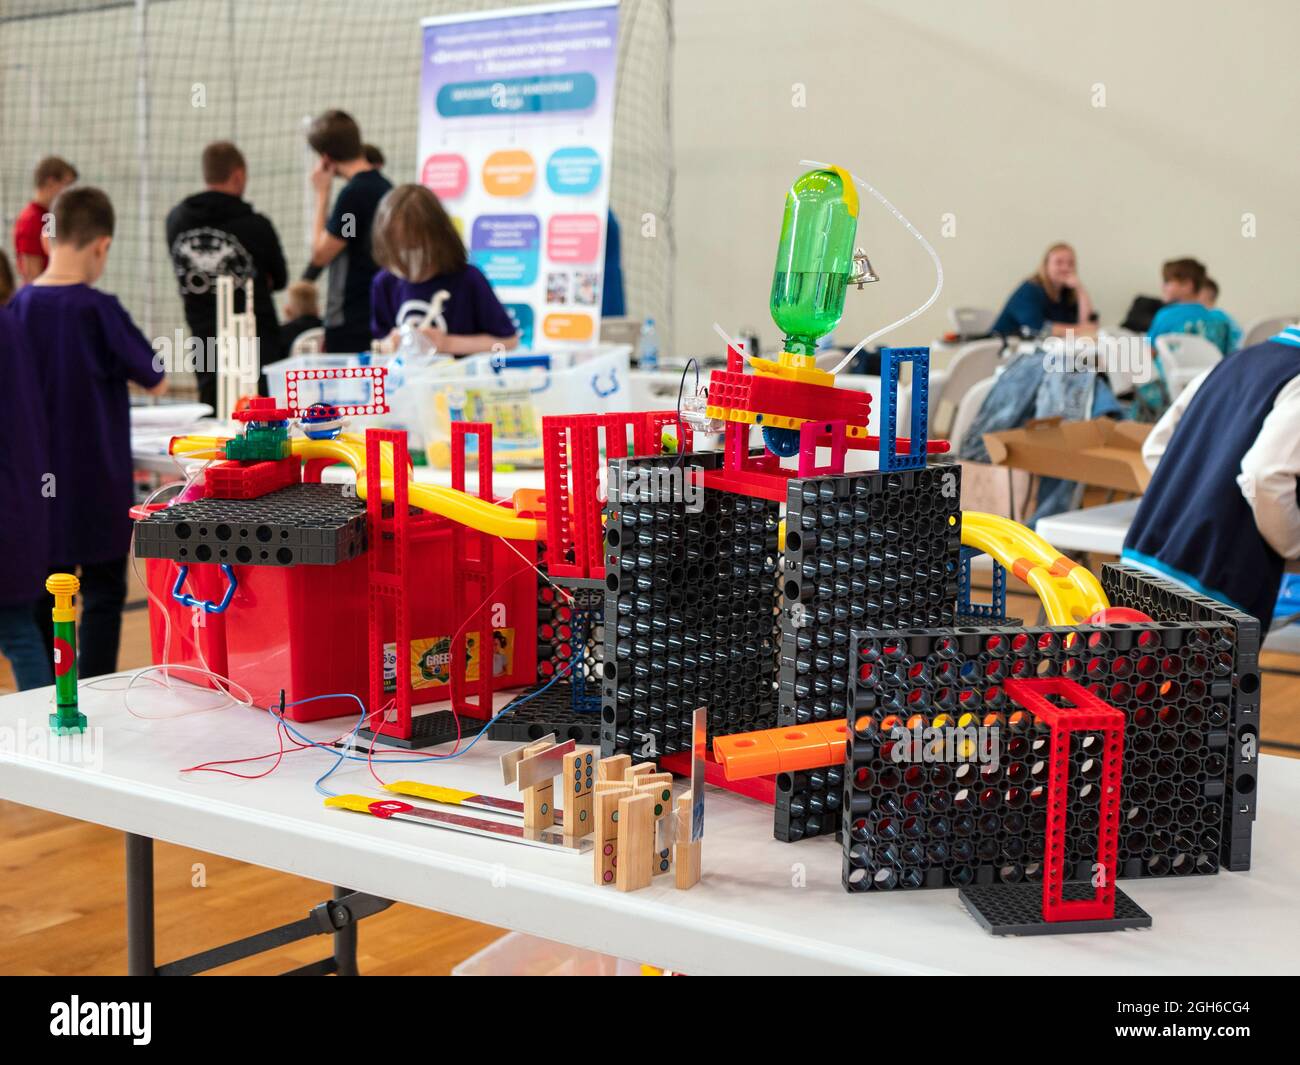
x: 681, y: 388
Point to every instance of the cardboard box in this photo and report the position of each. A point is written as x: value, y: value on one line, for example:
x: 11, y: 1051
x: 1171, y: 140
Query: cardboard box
x: 998, y: 490
x: 1101, y: 452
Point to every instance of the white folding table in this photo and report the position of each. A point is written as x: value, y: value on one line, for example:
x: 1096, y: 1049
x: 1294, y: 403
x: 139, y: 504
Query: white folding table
x: 1102, y: 530
x: 762, y: 907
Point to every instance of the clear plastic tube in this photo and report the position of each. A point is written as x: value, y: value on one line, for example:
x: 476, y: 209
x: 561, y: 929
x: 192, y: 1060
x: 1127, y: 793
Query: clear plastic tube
x: 160, y: 674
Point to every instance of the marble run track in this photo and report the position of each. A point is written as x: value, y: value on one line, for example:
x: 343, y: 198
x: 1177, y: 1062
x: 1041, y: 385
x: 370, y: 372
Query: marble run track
x: 461, y: 507
x: 1070, y: 594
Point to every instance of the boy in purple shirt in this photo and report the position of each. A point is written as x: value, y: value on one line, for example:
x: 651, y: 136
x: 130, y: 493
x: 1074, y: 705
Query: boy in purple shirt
x: 86, y: 349
x: 24, y: 463
x: 422, y: 255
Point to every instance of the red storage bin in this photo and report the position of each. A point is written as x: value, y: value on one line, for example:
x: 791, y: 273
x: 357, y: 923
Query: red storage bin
x: 306, y: 628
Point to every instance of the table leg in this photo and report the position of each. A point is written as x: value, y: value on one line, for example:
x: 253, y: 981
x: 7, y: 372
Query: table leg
x: 345, y: 943
x: 139, y: 906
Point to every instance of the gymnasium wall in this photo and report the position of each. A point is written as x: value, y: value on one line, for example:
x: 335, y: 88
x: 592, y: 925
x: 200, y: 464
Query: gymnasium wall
x: 984, y: 112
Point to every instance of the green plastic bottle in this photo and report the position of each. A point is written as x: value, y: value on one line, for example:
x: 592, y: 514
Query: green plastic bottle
x: 814, y: 259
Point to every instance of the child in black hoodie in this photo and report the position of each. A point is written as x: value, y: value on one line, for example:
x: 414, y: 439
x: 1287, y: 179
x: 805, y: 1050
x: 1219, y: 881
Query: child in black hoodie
x: 217, y: 233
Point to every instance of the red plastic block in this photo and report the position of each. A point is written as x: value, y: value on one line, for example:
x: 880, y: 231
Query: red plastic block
x: 813, y: 435
x: 475, y: 575
x: 436, y: 584
x: 249, y: 480
x: 261, y: 409
x: 761, y: 788
x: 650, y: 431
x: 570, y: 447
x: 1084, y: 712
x: 761, y: 394
x: 773, y: 486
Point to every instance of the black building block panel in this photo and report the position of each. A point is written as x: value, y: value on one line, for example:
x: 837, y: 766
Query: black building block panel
x: 1165, y: 600
x: 863, y: 550
x: 429, y: 728
x: 550, y: 711
x: 948, y: 819
x: 690, y: 610
x: 302, y: 525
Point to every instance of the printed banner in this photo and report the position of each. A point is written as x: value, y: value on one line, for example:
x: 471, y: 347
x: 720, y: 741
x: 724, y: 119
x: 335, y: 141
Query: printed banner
x: 516, y: 129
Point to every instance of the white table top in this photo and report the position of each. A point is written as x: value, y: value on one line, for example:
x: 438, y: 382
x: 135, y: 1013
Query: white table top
x: 746, y: 916
x: 1101, y: 529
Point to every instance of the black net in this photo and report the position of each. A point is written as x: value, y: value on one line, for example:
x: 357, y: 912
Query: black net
x: 131, y: 91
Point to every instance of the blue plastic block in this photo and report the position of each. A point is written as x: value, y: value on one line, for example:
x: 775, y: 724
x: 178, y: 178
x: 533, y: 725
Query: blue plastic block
x: 890, y: 361
x: 996, y: 610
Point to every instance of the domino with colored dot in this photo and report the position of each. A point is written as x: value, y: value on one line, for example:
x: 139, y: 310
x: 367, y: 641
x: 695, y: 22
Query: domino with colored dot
x: 578, y: 781
x: 605, y: 825
x: 539, y: 801
x: 659, y: 786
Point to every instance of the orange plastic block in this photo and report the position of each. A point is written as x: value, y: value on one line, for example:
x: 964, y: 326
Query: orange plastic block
x: 800, y: 746
x: 746, y: 754
x: 781, y: 750
x: 529, y: 502
x: 836, y: 733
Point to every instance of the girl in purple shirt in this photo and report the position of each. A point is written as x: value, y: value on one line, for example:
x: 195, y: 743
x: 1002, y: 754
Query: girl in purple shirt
x: 422, y: 257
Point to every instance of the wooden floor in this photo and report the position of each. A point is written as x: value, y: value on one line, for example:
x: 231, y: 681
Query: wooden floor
x: 62, y: 911
x: 61, y: 908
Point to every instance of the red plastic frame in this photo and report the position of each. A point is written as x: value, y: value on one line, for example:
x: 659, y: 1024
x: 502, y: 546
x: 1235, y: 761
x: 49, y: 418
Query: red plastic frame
x: 1085, y: 712
x: 571, y: 447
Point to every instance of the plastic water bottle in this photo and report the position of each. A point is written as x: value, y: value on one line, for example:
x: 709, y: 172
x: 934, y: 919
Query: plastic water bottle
x: 648, y: 358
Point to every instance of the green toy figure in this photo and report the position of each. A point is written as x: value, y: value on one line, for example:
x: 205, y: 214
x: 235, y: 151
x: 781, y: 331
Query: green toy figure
x: 67, y: 719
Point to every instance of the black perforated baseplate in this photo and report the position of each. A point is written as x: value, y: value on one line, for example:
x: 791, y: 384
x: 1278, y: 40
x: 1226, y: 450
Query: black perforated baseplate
x: 979, y: 619
x: 1166, y: 601
x: 304, y: 524
x: 429, y: 729
x: 544, y: 713
x: 952, y: 822
x: 1017, y: 910
x: 873, y: 549
x: 571, y: 638
x: 690, y: 612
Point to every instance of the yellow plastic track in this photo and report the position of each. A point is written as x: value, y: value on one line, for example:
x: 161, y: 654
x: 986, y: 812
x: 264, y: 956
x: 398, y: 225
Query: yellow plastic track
x: 1070, y: 594
x: 460, y: 507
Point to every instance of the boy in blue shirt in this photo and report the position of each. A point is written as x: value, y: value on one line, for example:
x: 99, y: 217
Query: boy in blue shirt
x: 86, y: 349
x: 1209, y: 298
x: 1183, y: 312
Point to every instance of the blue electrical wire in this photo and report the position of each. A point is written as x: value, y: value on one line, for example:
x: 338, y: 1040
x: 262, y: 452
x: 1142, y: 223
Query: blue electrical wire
x: 341, y: 756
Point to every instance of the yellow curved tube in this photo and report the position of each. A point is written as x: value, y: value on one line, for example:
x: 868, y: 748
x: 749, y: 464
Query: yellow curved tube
x: 460, y: 507
x: 1070, y: 594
